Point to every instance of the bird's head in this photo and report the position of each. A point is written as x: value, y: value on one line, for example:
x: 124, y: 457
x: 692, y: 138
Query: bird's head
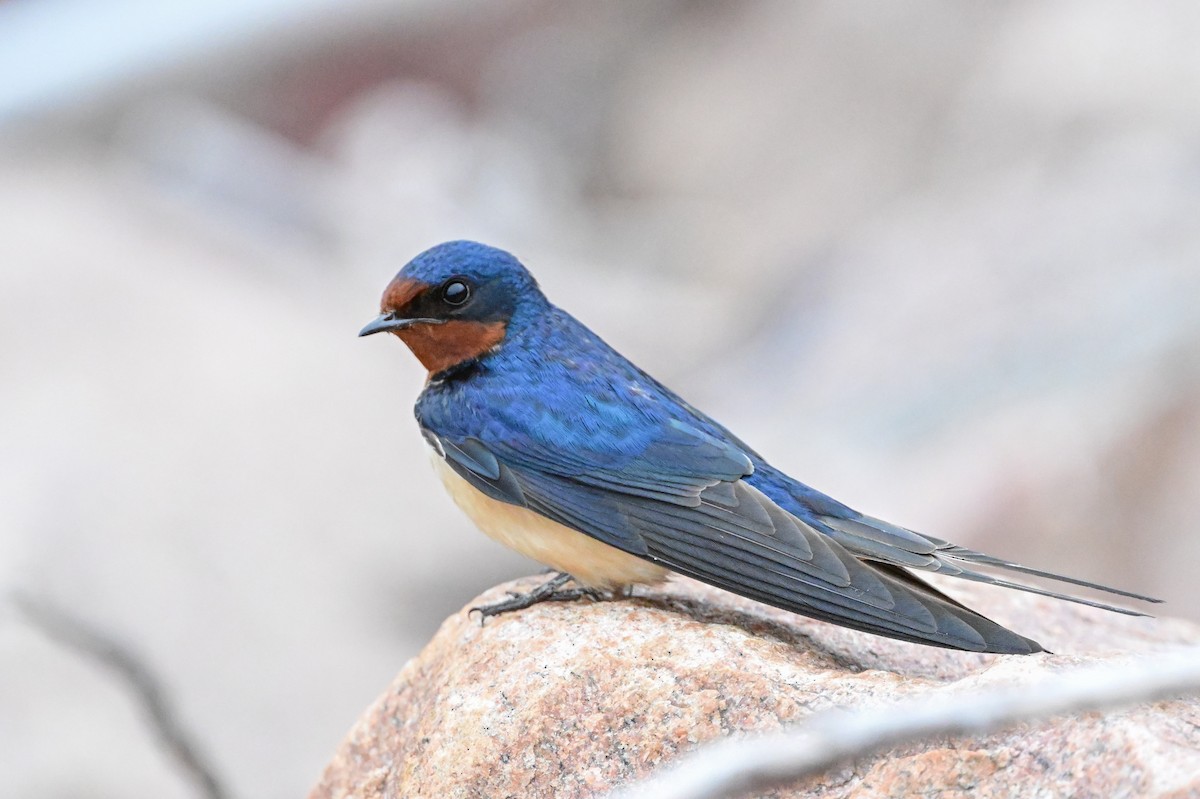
x: 455, y: 302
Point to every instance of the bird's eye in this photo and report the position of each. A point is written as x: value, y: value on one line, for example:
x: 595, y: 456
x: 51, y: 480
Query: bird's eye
x: 456, y: 292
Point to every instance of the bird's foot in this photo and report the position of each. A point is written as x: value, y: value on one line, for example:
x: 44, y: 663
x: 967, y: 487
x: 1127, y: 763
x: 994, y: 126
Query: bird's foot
x: 550, y: 591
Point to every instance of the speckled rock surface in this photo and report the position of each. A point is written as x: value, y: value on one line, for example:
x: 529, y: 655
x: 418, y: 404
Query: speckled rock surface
x: 571, y: 700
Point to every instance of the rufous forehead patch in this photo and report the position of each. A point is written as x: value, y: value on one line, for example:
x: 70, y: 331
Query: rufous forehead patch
x: 400, y: 292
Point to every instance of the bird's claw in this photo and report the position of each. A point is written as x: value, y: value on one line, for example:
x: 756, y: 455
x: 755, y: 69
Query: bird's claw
x: 549, y: 591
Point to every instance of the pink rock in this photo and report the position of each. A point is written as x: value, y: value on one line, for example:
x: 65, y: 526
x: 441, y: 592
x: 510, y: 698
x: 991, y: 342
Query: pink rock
x: 572, y: 700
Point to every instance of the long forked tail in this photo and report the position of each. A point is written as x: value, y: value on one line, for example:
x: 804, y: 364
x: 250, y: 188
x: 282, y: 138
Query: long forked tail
x: 876, y: 539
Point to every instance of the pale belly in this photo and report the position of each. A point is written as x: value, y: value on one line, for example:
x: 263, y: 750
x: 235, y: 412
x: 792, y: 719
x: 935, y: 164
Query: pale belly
x: 592, y: 563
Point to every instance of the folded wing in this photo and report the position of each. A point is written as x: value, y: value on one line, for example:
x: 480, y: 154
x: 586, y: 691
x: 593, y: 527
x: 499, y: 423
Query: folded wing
x: 680, y: 500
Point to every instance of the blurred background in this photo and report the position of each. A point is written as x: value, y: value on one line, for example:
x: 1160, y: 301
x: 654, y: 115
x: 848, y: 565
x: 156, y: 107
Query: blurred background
x: 937, y: 259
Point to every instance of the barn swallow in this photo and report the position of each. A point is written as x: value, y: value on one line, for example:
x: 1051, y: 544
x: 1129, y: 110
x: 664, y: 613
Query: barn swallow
x: 558, y: 447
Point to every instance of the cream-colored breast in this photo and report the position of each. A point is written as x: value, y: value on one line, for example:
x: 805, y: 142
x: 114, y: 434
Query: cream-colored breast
x: 592, y: 563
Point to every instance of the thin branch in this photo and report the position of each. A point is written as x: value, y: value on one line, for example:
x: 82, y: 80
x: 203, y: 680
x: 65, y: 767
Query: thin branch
x: 74, y: 634
x: 730, y: 768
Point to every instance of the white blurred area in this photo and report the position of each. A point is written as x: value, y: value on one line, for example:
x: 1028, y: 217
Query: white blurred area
x: 940, y: 260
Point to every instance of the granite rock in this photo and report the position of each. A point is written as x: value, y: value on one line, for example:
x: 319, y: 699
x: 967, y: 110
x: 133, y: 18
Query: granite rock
x: 572, y: 700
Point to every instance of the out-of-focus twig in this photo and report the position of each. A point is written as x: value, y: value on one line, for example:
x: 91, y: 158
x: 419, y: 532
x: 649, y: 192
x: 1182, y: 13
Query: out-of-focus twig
x: 731, y: 768
x: 74, y: 634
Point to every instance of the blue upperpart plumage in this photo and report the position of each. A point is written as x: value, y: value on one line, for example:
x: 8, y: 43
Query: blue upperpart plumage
x: 551, y: 366
x: 534, y: 411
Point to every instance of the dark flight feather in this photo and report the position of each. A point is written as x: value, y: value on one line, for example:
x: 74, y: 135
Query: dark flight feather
x: 735, y: 537
x: 878, y: 540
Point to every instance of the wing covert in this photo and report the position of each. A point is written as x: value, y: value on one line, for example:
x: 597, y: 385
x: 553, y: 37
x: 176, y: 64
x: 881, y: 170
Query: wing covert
x: 702, y: 519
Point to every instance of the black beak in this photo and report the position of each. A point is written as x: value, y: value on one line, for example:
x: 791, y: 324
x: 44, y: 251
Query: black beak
x: 388, y: 322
